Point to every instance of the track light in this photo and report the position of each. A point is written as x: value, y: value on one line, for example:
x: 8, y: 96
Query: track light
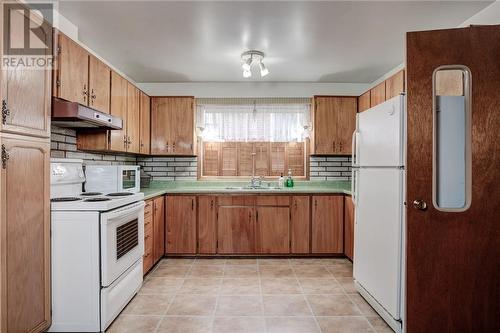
x: 248, y: 58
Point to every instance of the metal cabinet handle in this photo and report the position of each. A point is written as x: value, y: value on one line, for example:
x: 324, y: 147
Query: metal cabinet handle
x: 85, y: 92
x: 212, y: 204
x: 420, y: 204
x: 166, y: 147
x: 173, y: 146
x: 5, y: 111
x: 125, y: 141
x: 5, y: 157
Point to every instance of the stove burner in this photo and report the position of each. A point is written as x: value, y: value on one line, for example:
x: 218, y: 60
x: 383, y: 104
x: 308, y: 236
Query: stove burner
x: 97, y: 199
x: 65, y: 199
x: 90, y: 194
x: 119, y: 194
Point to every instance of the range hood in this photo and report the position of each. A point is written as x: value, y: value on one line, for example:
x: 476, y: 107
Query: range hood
x: 74, y: 115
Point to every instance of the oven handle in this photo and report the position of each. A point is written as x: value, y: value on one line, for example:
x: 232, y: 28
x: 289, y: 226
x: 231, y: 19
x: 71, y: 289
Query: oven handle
x: 125, y: 210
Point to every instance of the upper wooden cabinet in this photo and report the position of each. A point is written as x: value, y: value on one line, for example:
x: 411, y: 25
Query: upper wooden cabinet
x: 145, y: 124
x: 364, y: 101
x: 334, y: 123
x: 395, y: 85
x: 80, y: 77
x: 181, y: 225
x: 327, y: 224
x: 133, y: 119
x: 388, y: 89
x: 118, y: 140
x: 172, y: 126
x: 25, y: 234
x: 377, y: 94
x: 25, y: 92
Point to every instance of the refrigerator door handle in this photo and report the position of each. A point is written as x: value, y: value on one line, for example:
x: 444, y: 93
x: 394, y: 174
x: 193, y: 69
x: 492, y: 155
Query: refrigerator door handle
x: 353, y: 148
x: 353, y: 181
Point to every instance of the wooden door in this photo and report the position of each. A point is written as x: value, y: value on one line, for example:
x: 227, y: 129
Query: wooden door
x: 346, y: 124
x: 26, y: 92
x: 245, y: 158
x: 72, y: 76
x: 211, y: 157
x: 207, y: 224
x: 261, y: 150
x: 25, y: 234
x: 377, y: 94
x: 158, y: 228
x: 118, y: 138
x: 145, y: 124
x: 295, y: 160
x: 229, y: 159
x: 161, y: 123
x: 273, y: 230
x: 364, y: 102
x: 395, y: 85
x: 181, y: 225
x: 133, y: 119
x: 300, y: 224
x: 452, y: 258
x: 236, y: 230
x: 325, y: 124
x: 327, y: 224
x: 182, y: 125
x: 99, y: 85
x: 348, y: 227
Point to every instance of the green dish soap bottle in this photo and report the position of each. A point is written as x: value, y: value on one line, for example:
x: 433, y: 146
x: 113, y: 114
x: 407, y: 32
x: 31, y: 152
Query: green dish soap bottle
x: 289, y: 179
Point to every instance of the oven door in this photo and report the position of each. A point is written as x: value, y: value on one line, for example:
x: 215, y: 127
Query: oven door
x: 129, y: 179
x: 122, y: 240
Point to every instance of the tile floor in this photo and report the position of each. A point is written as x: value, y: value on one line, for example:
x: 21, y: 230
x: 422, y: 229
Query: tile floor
x: 249, y: 296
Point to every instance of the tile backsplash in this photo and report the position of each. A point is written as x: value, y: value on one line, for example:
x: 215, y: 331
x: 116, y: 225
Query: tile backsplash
x: 330, y: 168
x: 170, y: 168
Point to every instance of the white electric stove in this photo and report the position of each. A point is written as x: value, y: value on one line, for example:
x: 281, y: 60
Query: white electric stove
x: 97, y: 248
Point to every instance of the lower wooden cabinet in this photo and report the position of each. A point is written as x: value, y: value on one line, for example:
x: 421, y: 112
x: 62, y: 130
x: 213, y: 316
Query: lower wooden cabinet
x: 348, y: 227
x: 181, y: 225
x: 207, y: 224
x: 273, y: 230
x: 236, y: 230
x: 327, y: 225
x: 25, y: 234
x: 158, y: 228
x: 300, y: 224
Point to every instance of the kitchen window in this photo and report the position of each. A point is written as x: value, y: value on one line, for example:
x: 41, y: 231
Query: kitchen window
x: 264, y: 137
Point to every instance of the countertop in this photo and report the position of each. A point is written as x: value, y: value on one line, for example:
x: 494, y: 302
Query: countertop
x: 234, y: 187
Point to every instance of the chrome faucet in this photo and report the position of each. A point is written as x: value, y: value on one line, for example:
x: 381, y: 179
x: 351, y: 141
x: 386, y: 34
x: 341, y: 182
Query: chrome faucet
x: 255, y: 181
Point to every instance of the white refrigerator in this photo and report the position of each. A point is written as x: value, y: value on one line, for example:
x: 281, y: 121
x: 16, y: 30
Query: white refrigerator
x: 378, y: 193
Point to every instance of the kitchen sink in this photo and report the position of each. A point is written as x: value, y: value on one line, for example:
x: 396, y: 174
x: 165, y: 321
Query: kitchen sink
x: 252, y: 188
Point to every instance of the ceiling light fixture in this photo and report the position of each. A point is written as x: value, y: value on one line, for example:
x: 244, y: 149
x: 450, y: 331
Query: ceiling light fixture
x: 248, y: 58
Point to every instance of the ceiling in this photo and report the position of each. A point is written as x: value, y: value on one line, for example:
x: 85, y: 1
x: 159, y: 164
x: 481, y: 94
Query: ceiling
x: 304, y: 41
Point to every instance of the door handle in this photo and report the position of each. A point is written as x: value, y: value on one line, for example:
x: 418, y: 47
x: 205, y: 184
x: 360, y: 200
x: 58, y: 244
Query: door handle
x: 420, y: 204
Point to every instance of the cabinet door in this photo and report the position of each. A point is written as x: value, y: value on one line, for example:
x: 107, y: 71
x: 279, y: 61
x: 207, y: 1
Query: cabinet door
x: 118, y: 108
x: 207, y: 224
x: 25, y: 235
x: 181, y: 224
x: 133, y: 119
x: 300, y: 224
x: 349, y: 227
x: 73, y: 71
x: 364, y: 102
x: 145, y: 124
x: 147, y: 262
x: 158, y: 228
x: 377, y: 94
x: 325, y: 124
x: 346, y: 124
x: 327, y: 224
x: 99, y: 85
x: 395, y: 85
x: 273, y: 230
x: 26, y: 93
x: 236, y: 230
x: 182, y: 125
x: 161, y: 118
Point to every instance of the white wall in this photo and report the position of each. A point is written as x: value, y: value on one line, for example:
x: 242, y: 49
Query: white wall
x: 489, y: 15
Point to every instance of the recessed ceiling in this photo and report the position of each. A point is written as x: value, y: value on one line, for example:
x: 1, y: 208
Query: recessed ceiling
x: 192, y: 41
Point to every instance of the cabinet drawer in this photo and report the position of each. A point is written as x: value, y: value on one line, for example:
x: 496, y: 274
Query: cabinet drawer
x: 148, y: 208
x: 237, y: 200
x: 148, y: 224
x: 273, y: 200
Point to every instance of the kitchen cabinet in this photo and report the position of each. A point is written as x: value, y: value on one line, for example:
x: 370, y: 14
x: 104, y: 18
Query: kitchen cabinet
x: 272, y: 230
x: 25, y: 92
x: 364, y: 101
x: 207, y: 224
x: 79, y: 76
x: 25, y: 234
x: 327, y: 224
x: 348, y: 227
x: 300, y: 224
x: 395, y: 85
x: 148, y: 260
x: 377, y: 94
x: 118, y: 140
x: 333, y: 125
x: 172, y: 126
x: 145, y: 124
x: 158, y: 228
x: 236, y: 230
x: 133, y: 119
x: 181, y: 225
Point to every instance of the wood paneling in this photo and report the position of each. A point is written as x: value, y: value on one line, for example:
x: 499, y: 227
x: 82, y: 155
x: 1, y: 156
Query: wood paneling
x: 118, y: 108
x: 395, y: 85
x: 229, y: 157
x: 99, y: 85
x: 273, y: 230
x: 236, y: 230
x: 181, y: 225
x: 207, y: 224
x: 300, y: 224
x: 452, y: 265
x: 158, y: 228
x: 364, y: 101
x: 211, y: 158
x: 377, y: 94
x: 133, y: 119
x: 245, y: 159
x: 449, y: 83
x: 348, y: 227
x: 25, y: 235
x: 327, y: 224
x: 145, y: 124
x: 26, y: 93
